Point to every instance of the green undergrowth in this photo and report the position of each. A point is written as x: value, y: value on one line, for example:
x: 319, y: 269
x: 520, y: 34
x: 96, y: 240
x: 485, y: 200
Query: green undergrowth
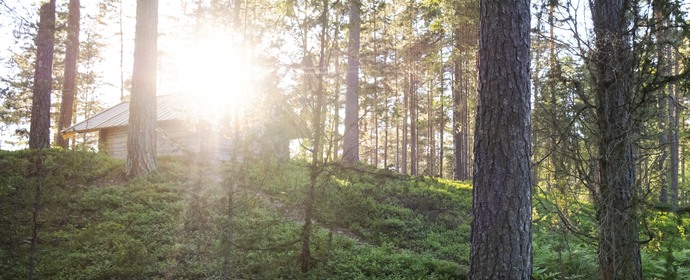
x: 369, y: 223
x: 174, y: 224
x: 565, y: 241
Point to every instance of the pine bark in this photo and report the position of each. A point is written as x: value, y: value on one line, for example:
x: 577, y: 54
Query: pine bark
x: 619, y: 249
x: 674, y: 121
x: 457, y: 112
x: 412, y: 87
x: 70, y: 73
x: 141, y: 141
x: 405, y: 120
x: 39, y: 137
x: 663, y: 100
x: 502, y: 204
x: 351, y: 139
x: 460, y: 107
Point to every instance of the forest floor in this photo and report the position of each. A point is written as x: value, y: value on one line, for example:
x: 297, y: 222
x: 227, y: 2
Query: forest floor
x: 369, y: 224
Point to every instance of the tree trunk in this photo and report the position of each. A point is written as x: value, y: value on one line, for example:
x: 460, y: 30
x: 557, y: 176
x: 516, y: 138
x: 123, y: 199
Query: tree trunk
x: 405, y: 117
x: 457, y: 111
x: 619, y: 249
x: 385, y: 139
x: 442, y: 113
x: 683, y: 199
x: 141, y: 140
x: 413, y: 121
x: 351, y: 141
x: 122, y: 54
x: 460, y: 108
x: 376, y: 124
x: 674, y: 122
x: 317, y: 120
x: 663, y: 102
x: 70, y: 75
x: 39, y: 137
x: 36, y: 171
x: 431, y: 156
x: 502, y: 204
x: 336, y: 110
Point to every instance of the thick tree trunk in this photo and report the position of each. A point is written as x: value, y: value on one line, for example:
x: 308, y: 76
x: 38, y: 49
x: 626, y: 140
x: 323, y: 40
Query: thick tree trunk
x: 351, y: 139
x: 502, y: 204
x: 70, y: 74
x: 141, y: 141
x: 39, y: 137
x: 619, y: 249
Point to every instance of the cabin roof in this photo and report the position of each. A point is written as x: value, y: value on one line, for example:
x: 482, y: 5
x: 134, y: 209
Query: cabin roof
x: 169, y: 108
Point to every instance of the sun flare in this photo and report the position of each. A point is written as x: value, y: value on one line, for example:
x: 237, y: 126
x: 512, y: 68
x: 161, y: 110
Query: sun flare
x: 214, y: 72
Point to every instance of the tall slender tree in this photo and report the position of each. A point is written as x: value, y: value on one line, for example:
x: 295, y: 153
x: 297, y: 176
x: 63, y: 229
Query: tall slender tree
x: 141, y: 141
x: 39, y: 137
x: 502, y: 203
x: 351, y: 139
x: 619, y: 249
x: 70, y: 72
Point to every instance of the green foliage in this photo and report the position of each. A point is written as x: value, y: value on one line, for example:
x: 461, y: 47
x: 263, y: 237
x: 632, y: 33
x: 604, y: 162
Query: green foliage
x: 559, y: 253
x: 68, y: 175
x: 369, y: 224
x: 386, y: 262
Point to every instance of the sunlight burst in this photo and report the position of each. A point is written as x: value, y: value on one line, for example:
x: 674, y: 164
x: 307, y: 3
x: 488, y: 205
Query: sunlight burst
x: 214, y: 72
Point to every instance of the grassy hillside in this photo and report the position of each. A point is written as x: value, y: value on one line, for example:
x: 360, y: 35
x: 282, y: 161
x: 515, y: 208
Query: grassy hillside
x: 370, y: 224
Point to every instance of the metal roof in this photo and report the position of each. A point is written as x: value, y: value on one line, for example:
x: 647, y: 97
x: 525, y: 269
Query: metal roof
x: 170, y: 107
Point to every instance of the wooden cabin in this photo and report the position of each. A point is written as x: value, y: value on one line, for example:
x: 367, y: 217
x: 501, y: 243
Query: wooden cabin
x: 176, y: 134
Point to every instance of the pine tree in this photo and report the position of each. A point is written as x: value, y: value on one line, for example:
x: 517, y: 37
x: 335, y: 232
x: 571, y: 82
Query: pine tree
x: 141, y: 140
x: 502, y: 202
x: 70, y: 75
x: 43, y: 79
x: 619, y: 248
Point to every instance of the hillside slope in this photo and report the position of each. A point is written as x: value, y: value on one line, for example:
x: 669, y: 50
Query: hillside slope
x: 173, y: 224
x: 370, y: 223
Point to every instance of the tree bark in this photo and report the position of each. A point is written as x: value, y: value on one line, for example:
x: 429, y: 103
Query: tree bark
x: 351, y: 139
x: 413, y: 122
x: 442, y: 113
x: 663, y: 102
x: 39, y: 137
x: 619, y: 249
x: 336, y: 110
x: 315, y: 168
x: 674, y: 123
x: 70, y: 74
x: 405, y: 118
x: 141, y: 140
x: 431, y: 156
x: 502, y: 204
x: 460, y: 107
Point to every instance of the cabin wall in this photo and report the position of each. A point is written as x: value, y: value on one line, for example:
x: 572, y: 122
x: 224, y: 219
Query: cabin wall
x: 173, y: 139
x: 113, y: 141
